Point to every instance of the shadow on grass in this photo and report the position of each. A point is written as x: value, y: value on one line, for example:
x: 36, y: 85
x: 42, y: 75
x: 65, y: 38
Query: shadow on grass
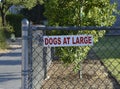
x: 107, y: 50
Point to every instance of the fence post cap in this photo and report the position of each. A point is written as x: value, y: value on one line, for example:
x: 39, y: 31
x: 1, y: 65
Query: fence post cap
x: 25, y: 22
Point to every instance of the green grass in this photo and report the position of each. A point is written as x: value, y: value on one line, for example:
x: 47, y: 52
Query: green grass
x: 3, y: 44
x: 113, y: 66
x: 108, y: 50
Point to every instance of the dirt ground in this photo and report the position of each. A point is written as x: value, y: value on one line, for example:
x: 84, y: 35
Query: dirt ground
x: 11, y: 46
x: 94, y: 76
x: 4, y: 50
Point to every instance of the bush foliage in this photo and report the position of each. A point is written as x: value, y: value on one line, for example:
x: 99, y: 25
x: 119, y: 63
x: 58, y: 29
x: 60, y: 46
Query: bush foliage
x: 2, y: 37
x: 3, y: 44
x: 15, y: 21
x: 79, y: 13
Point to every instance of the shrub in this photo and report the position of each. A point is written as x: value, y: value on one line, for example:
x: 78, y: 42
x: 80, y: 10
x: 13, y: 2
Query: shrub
x: 76, y: 13
x: 3, y: 43
x: 15, y: 21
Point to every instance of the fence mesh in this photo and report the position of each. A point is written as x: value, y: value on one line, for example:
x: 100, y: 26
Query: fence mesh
x: 100, y: 69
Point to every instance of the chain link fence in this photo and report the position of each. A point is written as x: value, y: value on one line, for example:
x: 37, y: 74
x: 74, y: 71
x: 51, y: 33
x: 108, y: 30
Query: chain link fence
x: 100, y: 69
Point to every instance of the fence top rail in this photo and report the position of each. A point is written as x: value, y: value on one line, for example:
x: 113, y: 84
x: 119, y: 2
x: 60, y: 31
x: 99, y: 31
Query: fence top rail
x: 42, y: 27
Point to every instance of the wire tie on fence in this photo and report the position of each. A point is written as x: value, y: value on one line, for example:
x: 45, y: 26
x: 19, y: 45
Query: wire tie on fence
x: 48, y: 46
x: 48, y: 77
x: 31, y: 70
x: 25, y: 72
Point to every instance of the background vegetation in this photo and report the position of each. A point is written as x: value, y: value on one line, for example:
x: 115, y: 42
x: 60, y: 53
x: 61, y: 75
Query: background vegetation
x: 79, y: 13
x: 34, y: 14
x: 10, y: 26
x: 2, y: 37
x: 15, y: 21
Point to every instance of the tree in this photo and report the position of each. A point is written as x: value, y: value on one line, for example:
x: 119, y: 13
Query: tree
x: 6, y: 4
x: 79, y: 13
x: 35, y: 14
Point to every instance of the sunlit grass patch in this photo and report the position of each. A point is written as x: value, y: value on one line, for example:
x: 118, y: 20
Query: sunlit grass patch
x: 108, y: 50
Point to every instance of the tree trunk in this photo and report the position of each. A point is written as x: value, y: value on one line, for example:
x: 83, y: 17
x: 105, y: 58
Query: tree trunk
x: 3, y: 18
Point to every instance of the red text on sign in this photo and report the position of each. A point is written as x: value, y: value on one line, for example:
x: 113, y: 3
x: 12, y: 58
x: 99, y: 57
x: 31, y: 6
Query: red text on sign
x: 82, y: 40
x: 50, y: 41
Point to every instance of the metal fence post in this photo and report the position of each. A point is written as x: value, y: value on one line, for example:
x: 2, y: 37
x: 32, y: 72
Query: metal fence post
x: 30, y: 55
x: 25, y: 28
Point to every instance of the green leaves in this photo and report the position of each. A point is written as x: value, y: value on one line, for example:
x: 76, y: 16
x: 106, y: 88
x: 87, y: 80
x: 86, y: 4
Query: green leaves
x: 79, y: 13
x: 6, y: 4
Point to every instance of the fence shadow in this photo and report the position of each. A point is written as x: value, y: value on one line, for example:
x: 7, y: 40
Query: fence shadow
x: 10, y: 62
x: 107, y: 51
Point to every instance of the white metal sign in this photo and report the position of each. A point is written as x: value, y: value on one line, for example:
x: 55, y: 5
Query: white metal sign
x: 68, y: 40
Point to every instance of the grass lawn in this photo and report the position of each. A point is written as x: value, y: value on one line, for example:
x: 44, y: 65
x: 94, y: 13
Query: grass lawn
x: 108, y: 50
